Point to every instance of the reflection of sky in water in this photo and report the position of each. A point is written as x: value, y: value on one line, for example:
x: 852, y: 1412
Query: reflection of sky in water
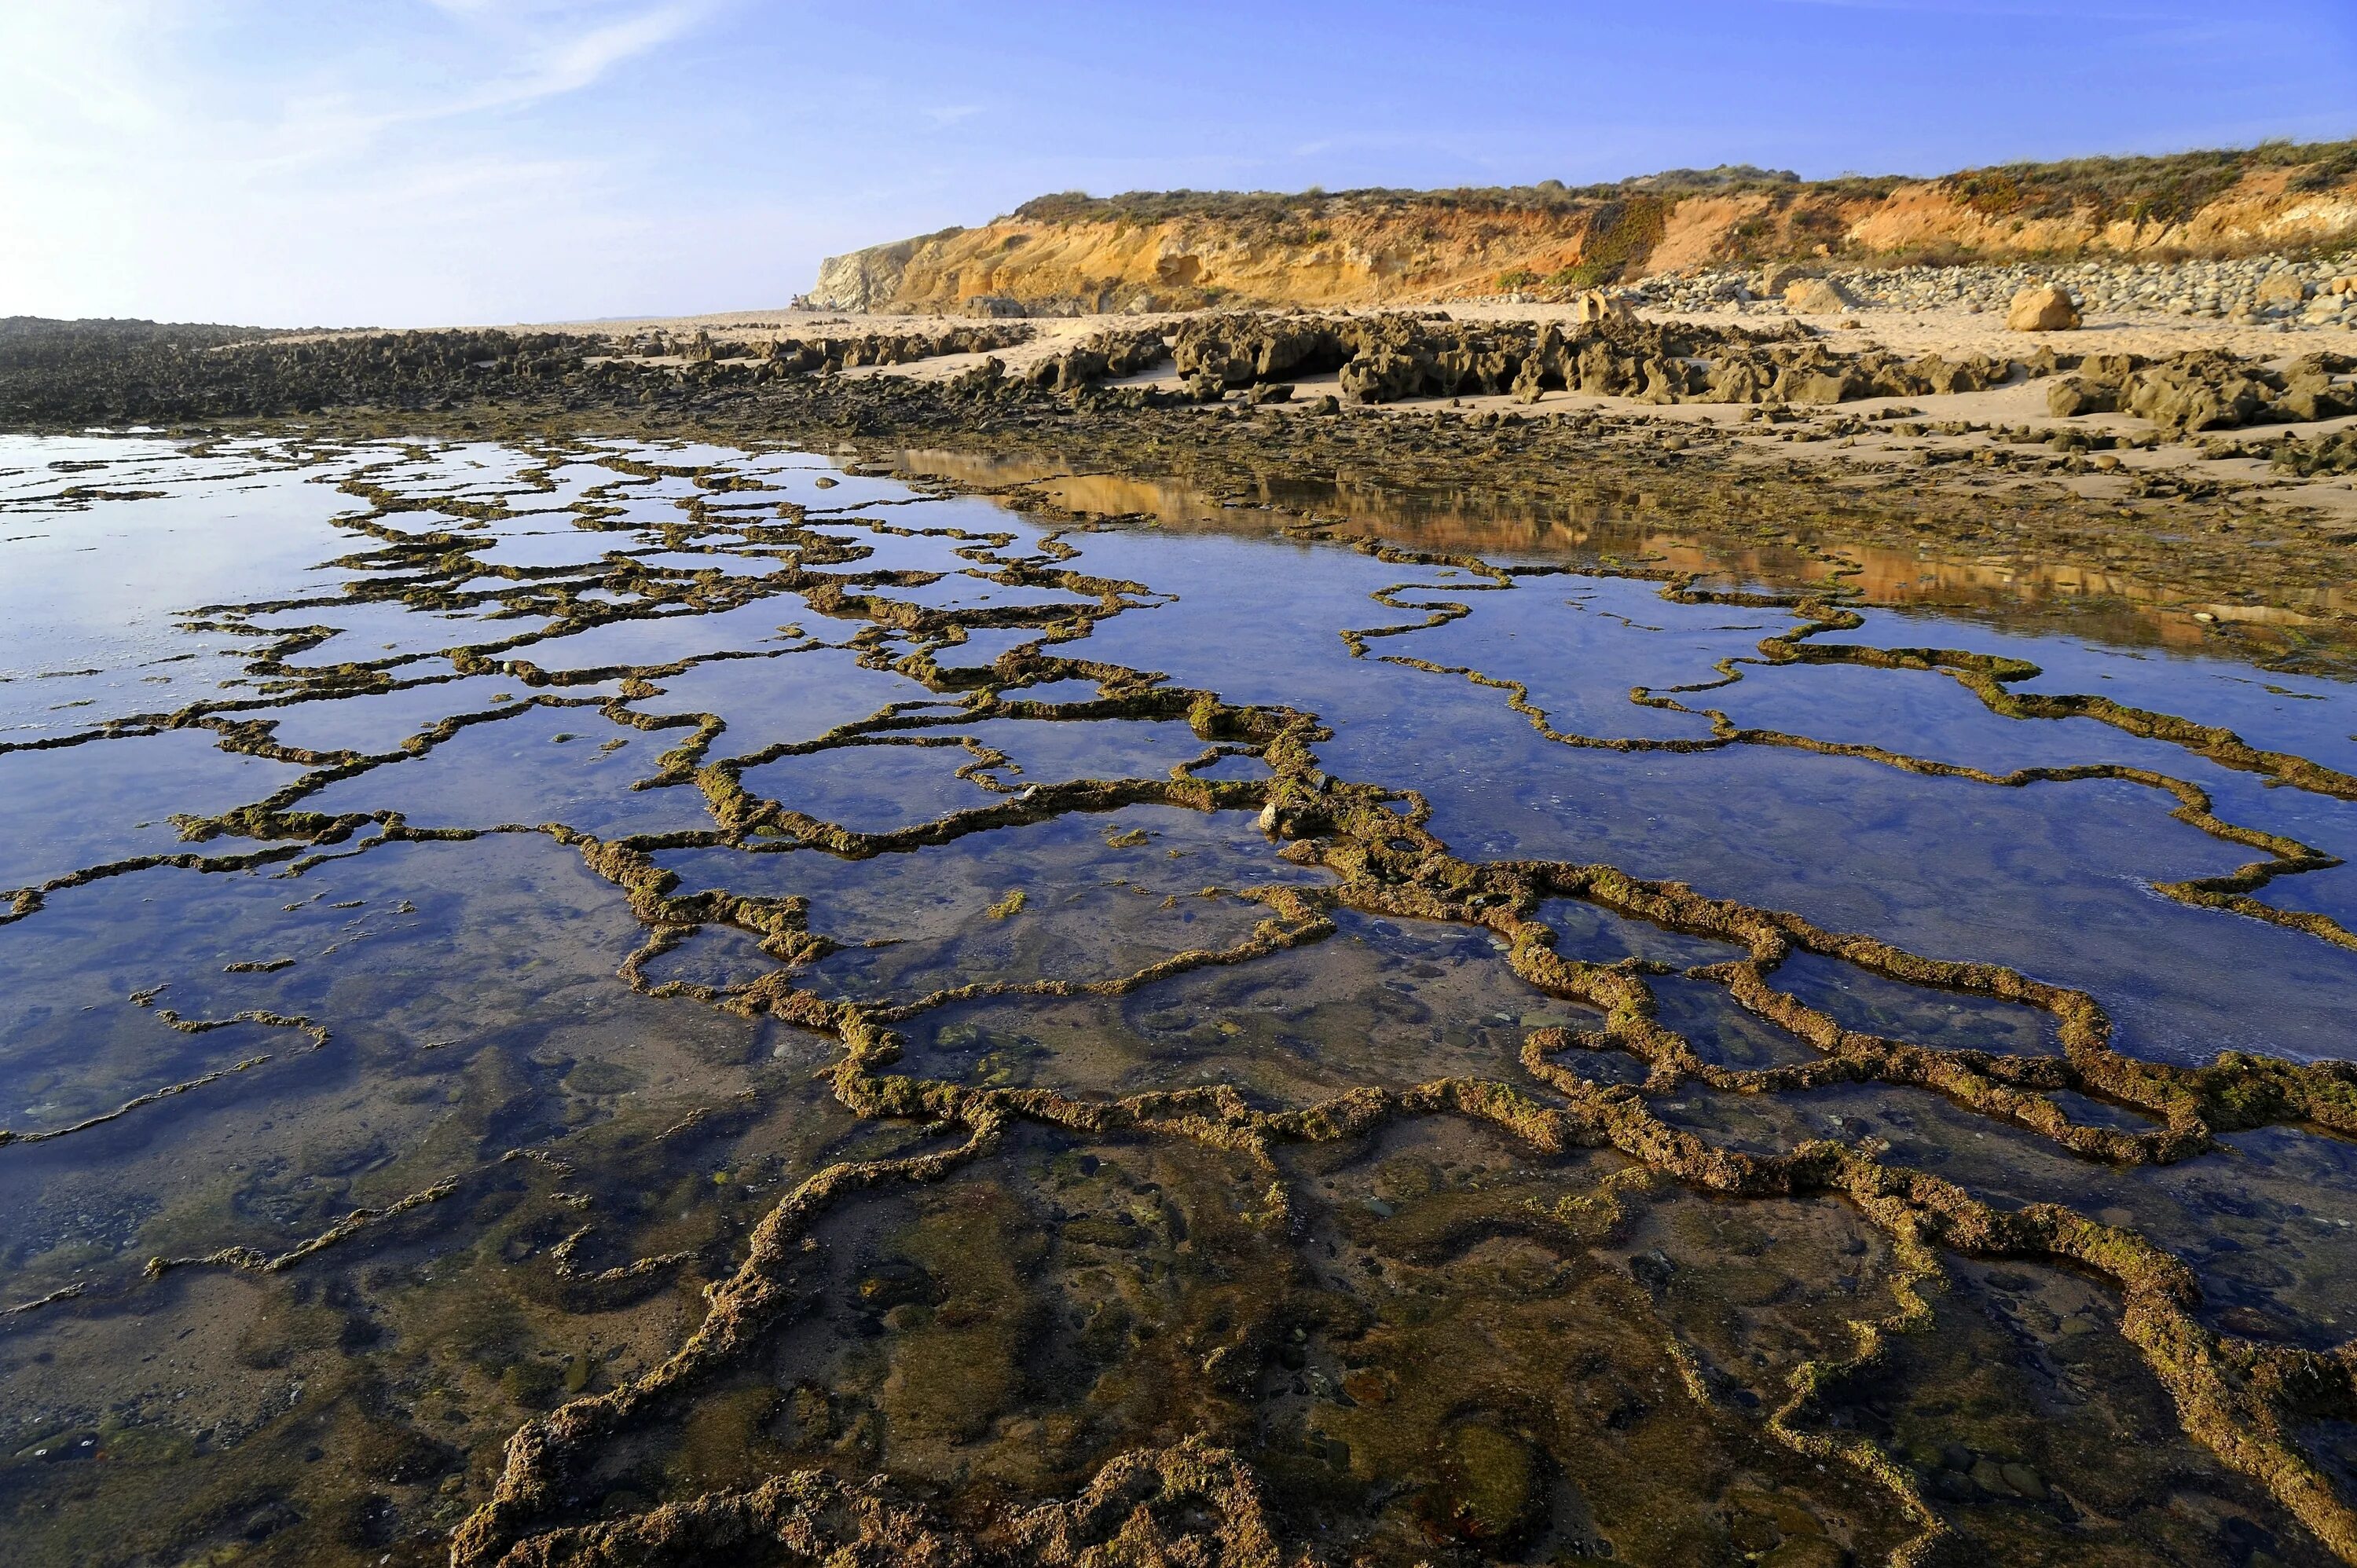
x: 2052, y: 877
x: 470, y: 992
x: 100, y: 586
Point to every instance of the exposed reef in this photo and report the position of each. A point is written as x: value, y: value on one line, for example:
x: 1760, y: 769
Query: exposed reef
x: 980, y: 1212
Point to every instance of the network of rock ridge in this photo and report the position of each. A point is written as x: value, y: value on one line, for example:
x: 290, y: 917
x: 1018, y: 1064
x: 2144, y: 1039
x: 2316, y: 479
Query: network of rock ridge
x: 1185, y: 1499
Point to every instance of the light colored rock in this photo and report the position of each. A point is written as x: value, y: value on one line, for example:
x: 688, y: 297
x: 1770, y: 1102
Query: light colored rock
x: 862, y: 280
x: 2042, y: 310
x: 1776, y: 278
x: 1597, y: 305
x: 1816, y: 296
x: 2282, y: 288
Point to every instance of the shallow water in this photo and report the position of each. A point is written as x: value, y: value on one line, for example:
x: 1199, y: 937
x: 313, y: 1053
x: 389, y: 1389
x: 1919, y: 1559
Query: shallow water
x: 1047, y: 990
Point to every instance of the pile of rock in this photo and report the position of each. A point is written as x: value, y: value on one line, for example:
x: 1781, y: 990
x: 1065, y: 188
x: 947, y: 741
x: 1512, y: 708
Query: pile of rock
x: 2316, y: 292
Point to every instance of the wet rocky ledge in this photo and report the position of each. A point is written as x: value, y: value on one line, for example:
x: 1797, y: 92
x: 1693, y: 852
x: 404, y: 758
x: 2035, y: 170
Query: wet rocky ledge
x: 1526, y: 1221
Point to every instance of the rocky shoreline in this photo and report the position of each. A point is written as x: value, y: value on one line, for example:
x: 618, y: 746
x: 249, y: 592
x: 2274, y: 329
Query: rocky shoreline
x: 2208, y: 486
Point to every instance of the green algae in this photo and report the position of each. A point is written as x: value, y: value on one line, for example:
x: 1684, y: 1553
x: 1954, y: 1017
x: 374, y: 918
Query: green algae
x: 1440, y: 1442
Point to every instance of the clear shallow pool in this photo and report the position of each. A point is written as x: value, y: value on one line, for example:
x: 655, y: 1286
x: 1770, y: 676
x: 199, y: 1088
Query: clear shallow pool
x: 1456, y: 1036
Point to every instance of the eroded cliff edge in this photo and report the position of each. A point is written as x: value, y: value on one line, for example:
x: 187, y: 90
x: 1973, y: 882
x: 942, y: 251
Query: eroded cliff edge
x: 1186, y: 250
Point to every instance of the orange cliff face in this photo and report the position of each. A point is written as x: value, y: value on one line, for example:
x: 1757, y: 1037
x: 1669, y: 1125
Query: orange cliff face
x: 1340, y: 258
x: 1181, y: 250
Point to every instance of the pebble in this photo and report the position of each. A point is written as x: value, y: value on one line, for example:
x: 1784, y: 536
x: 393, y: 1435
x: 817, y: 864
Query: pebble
x: 2213, y: 290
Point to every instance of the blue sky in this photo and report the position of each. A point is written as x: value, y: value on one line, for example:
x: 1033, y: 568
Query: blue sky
x: 410, y: 162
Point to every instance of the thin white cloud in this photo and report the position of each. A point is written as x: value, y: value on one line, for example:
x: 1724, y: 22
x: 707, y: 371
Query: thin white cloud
x: 286, y: 164
x: 567, y: 59
x: 99, y: 73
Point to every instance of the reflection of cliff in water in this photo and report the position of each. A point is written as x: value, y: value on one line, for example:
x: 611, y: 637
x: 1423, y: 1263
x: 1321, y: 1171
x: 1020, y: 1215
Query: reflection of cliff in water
x: 667, y: 1004
x: 2026, y: 587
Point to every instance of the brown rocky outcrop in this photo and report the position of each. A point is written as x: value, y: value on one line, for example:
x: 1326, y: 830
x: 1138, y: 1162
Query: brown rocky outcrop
x: 1387, y: 359
x: 2206, y: 389
x: 829, y: 353
x: 1100, y: 354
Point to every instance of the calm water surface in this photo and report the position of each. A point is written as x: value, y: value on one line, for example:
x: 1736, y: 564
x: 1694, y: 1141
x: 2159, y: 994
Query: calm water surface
x: 441, y: 874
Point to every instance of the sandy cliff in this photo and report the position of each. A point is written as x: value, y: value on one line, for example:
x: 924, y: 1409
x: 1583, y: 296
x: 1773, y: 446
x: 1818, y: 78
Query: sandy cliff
x: 1182, y: 250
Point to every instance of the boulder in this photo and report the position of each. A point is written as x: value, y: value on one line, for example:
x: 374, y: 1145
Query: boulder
x: 1832, y: 385
x: 1242, y: 349
x: 1549, y: 364
x: 1453, y: 368
x: 2281, y: 288
x: 1937, y: 375
x: 1736, y: 380
x: 2311, y: 393
x: 1596, y: 306
x: 1384, y: 375
x: 1668, y: 381
x: 2042, y: 310
x: 979, y: 381
x: 2074, y: 396
x: 1602, y: 372
x: 1775, y: 278
x: 1068, y: 371
x: 2324, y: 455
x: 1816, y: 296
x: 2202, y: 391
